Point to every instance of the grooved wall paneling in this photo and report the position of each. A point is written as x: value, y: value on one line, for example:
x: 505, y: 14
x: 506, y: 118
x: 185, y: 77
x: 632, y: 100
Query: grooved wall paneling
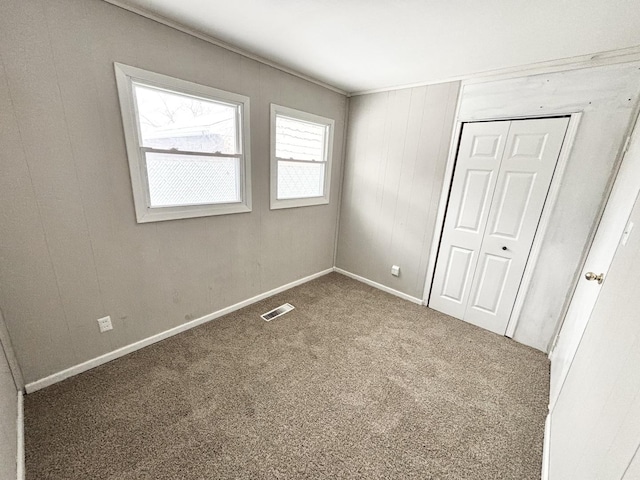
x: 398, y: 143
x: 70, y: 248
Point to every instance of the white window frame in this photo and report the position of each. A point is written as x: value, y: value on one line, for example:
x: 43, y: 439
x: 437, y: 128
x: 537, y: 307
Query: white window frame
x: 125, y: 76
x: 328, y: 150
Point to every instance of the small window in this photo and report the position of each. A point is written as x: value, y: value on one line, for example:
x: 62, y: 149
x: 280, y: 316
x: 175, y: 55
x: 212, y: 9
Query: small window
x: 187, y: 146
x: 301, y: 145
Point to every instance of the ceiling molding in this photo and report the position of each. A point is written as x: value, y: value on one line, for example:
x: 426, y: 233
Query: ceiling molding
x: 609, y: 57
x: 623, y: 55
x: 219, y: 43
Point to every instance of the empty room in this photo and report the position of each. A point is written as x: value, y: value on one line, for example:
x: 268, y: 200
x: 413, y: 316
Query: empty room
x: 317, y: 240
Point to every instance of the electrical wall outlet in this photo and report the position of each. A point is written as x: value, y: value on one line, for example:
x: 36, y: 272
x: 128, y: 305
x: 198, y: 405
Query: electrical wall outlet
x: 395, y: 271
x: 105, y: 324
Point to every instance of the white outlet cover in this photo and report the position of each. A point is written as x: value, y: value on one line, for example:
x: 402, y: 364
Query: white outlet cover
x: 105, y: 324
x: 395, y: 270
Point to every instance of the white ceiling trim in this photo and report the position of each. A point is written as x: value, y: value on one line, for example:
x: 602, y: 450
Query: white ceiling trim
x: 610, y: 57
x: 208, y: 38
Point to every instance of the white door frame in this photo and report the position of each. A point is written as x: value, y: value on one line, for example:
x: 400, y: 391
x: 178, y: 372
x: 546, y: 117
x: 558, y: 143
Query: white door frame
x: 624, y: 189
x: 604, y: 100
x: 552, y: 196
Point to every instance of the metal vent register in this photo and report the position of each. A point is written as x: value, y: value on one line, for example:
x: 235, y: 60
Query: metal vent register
x: 276, y: 312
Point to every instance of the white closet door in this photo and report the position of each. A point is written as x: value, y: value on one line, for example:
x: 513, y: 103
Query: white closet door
x: 477, y: 166
x: 502, y: 177
x: 527, y: 167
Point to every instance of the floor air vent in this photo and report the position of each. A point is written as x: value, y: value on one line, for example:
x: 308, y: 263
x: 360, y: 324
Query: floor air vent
x: 276, y: 312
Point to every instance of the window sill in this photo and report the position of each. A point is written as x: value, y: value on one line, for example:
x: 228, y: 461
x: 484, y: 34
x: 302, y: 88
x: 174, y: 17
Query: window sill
x: 175, y: 213
x: 298, y: 202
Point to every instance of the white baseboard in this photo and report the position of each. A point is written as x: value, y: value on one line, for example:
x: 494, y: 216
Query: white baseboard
x: 379, y: 286
x: 20, y: 438
x: 545, y: 448
x: 107, y: 357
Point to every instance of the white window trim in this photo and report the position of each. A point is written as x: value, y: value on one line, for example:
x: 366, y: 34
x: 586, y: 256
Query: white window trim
x: 309, y: 117
x: 125, y: 75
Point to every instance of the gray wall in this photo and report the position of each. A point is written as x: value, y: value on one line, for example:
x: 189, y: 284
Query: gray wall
x: 8, y: 417
x: 398, y: 144
x: 70, y: 248
x: 396, y: 154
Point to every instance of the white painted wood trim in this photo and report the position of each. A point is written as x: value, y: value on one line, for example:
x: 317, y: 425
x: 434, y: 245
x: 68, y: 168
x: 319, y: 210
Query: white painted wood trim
x: 609, y: 57
x: 552, y: 197
x: 219, y: 43
x: 20, y: 475
x: 120, y: 352
x: 379, y: 286
x: 546, y: 448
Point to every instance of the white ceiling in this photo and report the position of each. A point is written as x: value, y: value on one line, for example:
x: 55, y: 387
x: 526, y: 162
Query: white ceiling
x: 359, y: 45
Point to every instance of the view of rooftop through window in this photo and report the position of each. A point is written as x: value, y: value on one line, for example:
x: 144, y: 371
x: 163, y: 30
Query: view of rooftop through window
x: 186, y: 123
x: 300, y: 149
x: 178, y: 123
x: 299, y: 140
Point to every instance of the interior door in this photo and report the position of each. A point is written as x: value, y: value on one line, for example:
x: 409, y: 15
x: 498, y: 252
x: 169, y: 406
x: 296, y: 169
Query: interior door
x: 495, y: 205
x: 595, y: 423
x: 479, y: 156
x: 610, y: 231
x: 527, y: 167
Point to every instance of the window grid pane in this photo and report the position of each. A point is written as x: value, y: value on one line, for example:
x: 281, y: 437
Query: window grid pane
x: 170, y: 120
x: 179, y: 180
x: 300, y: 179
x: 299, y: 140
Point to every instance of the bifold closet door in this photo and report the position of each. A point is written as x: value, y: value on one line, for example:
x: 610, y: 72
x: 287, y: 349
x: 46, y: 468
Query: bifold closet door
x: 478, y: 281
x: 479, y: 156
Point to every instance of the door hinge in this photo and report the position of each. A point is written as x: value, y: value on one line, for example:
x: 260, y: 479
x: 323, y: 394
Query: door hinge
x: 626, y: 144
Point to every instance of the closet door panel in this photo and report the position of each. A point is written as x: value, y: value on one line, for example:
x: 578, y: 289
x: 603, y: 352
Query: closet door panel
x: 481, y: 149
x: 526, y: 170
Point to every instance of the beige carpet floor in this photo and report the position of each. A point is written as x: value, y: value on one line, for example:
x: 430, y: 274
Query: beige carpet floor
x: 354, y: 383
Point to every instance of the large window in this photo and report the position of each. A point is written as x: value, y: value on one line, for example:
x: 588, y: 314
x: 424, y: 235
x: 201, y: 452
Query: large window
x: 301, y: 145
x: 187, y: 146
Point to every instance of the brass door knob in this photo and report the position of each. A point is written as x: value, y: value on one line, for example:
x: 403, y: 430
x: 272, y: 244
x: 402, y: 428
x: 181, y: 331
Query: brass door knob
x: 592, y: 276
